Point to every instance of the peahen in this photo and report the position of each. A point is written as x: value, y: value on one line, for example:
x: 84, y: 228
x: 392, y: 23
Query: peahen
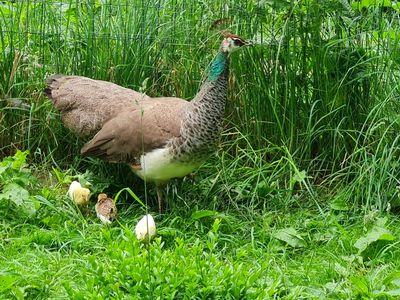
x: 160, y: 138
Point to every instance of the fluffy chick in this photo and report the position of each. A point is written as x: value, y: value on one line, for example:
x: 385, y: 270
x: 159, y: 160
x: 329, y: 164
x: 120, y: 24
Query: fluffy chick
x: 145, y: 229
x: 79, y: 194
x: 105, y: 209
x: 73, y: 186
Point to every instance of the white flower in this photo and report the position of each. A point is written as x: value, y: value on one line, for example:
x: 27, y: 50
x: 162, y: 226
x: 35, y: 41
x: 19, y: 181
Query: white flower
x: 145, y: 229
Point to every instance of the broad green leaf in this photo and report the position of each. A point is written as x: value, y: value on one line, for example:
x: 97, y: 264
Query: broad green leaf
x: 31, y: 206
x: 7, y: 281
x: 377, y: 233
x: 381, y: 222
x: 203, y: 213
x: 341, y: 270
x: 216, y: 224
x: 394, y: 292
x: 372, y: 3
x: 2, y: 169
x: 12, y: 170
x: 5, y: 12
x: 290, y: 236
x: 393, y: 278
x: 62, y: 177
x: 360, y: 284
x: 19, y: 292
x: 339, y: 204
x: 15, y: 193
x: 19, y: 159
x: 396, y: 281
x: 299, y: 176
x: 21, y: 198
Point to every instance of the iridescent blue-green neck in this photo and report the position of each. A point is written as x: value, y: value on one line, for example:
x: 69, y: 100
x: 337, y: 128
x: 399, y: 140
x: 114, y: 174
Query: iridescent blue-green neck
x: 218, y: 66
x: 202, y: 123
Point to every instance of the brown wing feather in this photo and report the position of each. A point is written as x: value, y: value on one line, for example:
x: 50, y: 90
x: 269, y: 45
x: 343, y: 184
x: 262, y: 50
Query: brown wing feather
x: 86, y: 104
x: 122, y: 122
x: 131, y: 133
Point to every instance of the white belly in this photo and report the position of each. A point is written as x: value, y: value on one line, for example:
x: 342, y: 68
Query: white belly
x: 157, y: 166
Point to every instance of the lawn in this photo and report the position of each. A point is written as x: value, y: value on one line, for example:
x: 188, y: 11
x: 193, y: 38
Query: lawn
x: 301, y: 199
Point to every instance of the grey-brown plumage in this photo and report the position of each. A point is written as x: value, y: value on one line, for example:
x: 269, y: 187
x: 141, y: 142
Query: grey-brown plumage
x: 126, y: 123
x: 105, y: 209
x: 160, y: 138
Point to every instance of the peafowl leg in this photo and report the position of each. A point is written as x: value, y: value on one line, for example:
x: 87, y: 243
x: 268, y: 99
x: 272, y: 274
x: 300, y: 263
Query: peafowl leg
x: 160, y: 186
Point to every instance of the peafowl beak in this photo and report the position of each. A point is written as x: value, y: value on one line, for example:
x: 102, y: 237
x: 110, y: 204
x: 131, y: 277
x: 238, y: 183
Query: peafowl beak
x: 248, y: 43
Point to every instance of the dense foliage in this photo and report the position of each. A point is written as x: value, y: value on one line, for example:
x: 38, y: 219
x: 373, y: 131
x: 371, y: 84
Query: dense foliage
x: 320, y: 89
x: 300, y: 200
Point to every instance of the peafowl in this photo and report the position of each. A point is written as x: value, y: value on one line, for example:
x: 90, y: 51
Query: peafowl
x: 159, y: 138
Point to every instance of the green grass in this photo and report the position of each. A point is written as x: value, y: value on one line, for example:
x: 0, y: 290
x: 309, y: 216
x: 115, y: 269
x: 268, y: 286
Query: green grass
x: 301, y: 199
x: 225, y: 256
x: 204, y: 249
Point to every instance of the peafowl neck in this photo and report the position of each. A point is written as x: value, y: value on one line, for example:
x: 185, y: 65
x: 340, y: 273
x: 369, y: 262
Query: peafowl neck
x: 209, y: 103
x: 202, y: 123
x: 218, y: 66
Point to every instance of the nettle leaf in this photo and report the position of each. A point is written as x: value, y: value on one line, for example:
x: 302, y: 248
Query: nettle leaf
x: 2, y: 169
x: 360, y: 284
x: 290, y: 236
x: 7, y: 281
x: 31, y: 206
x: 13, y: 169
x: 339, y: 205
x: 299, y: 176
x: 20, y: 197
x: 392, y: 278
x: 381, y: 222
x: 15, y: 193
x: 377, y: 233
x: 396, y: 281
x: 394, y: 292
x: 96, y: 183
x: 25, y: 178
x: 19, y: 159
x: 202, y: 214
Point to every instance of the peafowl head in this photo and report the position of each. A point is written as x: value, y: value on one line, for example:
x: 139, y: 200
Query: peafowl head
x: 231, y: 42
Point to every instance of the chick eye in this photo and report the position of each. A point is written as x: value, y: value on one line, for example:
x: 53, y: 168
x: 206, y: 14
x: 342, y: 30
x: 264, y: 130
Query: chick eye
x: 238, y: 42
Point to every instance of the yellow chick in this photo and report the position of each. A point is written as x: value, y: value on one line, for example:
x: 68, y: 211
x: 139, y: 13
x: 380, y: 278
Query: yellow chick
x: 74, y: 185
x: 145, y: 229
x: 105, y: 209
x: 79, y: 194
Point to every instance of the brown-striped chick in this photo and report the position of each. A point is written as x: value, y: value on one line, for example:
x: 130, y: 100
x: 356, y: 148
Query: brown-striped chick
x: 105, y: 209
